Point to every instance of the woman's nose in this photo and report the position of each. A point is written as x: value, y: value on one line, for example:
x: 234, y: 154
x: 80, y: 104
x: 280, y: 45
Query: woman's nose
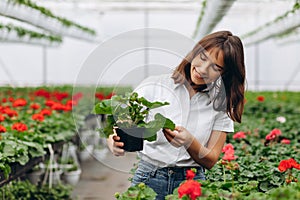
x: 203, y: 69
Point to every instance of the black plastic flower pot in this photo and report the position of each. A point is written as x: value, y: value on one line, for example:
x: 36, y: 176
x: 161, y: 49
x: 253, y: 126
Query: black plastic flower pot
x: 132, y: 138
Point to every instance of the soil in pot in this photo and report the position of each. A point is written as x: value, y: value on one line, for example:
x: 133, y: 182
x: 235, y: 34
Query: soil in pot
x: 132, y: 138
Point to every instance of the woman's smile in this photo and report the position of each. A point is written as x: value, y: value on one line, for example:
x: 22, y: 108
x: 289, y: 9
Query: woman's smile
x: 197, y: 77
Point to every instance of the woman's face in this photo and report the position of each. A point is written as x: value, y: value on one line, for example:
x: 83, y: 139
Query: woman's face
x: 207, y: 67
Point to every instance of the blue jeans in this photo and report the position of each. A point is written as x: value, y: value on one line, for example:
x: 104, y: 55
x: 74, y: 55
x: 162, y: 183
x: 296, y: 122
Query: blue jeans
x: 163, y: 180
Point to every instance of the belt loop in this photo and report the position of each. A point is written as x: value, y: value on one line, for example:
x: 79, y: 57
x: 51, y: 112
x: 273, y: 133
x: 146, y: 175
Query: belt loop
x: 153, y: 172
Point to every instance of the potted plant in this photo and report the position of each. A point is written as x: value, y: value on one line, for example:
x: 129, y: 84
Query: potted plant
x: 85, y: 152
x: 52, y: 171
x: 72, y: 175
x: 34, y: 175
x: 66, y: 164
x: 129, y: 114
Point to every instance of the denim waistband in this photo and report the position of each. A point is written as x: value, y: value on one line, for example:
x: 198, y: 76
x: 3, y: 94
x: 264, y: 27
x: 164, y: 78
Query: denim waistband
x: 176, y: 169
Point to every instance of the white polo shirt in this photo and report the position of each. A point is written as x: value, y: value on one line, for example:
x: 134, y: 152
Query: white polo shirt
x: 196, y: 115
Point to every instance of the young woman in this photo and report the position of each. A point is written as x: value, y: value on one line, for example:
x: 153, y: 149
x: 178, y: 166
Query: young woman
x: 206, y: 95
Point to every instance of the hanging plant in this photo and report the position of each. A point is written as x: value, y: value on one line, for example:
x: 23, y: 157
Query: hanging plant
x: 276, y: 22
x: 27, y: 11
x: 22, y: 33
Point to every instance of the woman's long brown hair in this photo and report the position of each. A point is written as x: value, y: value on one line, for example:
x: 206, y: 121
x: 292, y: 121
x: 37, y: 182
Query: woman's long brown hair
x: 230, y: 96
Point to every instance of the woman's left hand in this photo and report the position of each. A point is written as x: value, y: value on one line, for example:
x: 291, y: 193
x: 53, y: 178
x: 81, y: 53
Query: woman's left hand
x: 179, y: 137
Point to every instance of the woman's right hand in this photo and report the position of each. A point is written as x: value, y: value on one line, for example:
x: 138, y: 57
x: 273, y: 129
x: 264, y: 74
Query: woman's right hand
x: 115, y: 146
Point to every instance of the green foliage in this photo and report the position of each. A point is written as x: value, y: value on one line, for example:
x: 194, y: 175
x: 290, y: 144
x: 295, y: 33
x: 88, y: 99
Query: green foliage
x: 131, y: 111
x: 137, y: 192
x: 258, y: 162
x: 24, y: 190
x: 258, y: 177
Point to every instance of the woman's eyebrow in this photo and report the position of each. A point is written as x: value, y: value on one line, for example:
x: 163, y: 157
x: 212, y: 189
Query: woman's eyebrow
x: 210, y: 60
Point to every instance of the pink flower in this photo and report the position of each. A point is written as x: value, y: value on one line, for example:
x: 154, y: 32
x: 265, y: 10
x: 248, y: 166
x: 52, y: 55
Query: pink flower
x: 227, y: 147
x: 229, y: 152
x: 285, y: 141
x: 276, y: 131
x: 239, y: 135
x: 281, y: 119
x: 229, y: 156
x: 273, y: 134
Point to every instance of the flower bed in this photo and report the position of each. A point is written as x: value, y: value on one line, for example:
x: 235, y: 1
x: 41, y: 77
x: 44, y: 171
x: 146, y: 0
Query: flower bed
x: 32, y: 118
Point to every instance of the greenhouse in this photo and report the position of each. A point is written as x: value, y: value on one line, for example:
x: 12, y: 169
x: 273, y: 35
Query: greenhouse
x: 149, y: 100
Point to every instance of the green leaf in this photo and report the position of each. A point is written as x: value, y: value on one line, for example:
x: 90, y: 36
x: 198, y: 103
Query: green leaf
x: 9, y: 148
x: 151, y: 105
x: 23, y: 159
x: 167, y: 123
x: 150, y: 134
x: 264, y: 186
x: 103, y: 107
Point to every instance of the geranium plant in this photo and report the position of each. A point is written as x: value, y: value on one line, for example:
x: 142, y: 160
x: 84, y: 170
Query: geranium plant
x: 288, y: 165
x: 189, y: 189
x: 131, y: 111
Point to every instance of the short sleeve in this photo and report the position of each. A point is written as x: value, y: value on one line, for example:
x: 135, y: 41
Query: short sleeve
x: 223, y: 123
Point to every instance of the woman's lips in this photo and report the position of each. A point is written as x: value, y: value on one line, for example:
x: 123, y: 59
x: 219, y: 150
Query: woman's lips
x: 197, y: 74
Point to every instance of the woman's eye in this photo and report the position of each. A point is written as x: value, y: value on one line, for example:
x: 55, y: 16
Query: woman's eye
x: 202, y: 57
x: 216, y: 68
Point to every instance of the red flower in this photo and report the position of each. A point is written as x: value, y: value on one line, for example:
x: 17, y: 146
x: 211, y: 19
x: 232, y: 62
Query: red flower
x: 50, y: 103
x: 109, y: 95
x: 272, y: 135
x: 191, y: 188
x: 285, y: 141
x: 19, y: 127
x: 42, y: 93
x: 38, y: 117
x: 100, y: 96
x: 2, y: 129
x: 190, y: 174
x: 46, y: 112
x: 227, y: 147
x: 35, y: 106
x: 67, y: 108
x: 2, y: 118
x: 71, y: 103
x: 288, y: 164
x: 260, y: 98
x: 58, y: 106
x: 10, y: 113
x: 4, y: 100
x: 239, y: 135
x: 19, y: 102
x: 60, y: 95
